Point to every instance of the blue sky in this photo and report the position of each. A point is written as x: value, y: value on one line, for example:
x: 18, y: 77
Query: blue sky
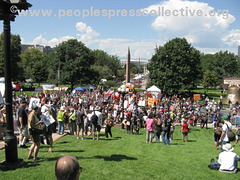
x: 133, y: 28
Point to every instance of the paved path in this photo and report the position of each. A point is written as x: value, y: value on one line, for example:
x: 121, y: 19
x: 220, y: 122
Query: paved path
x: 56, y: 136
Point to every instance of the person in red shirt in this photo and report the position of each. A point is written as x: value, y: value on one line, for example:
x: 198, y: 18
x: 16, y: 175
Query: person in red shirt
x: 185, y: 131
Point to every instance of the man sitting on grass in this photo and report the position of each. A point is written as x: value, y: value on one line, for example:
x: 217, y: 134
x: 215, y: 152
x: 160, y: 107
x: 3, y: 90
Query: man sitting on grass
x: 227, y: 160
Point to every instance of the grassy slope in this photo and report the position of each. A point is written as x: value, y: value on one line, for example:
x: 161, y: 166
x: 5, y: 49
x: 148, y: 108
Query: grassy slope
x: 128, y: 157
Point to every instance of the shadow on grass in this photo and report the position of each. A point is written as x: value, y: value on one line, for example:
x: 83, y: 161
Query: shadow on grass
x: 69, y: 150
x: 63, y: 142
x: 181, y: 140
x: 110, y: 139
x: 15, y: 167
x: 137, y: 134
x: 177, y: 144
x: 192, y: 141
x: 115, y: 157
x: 44, y: 146
x: 118, y: 137
x: 52, y: 158
x: 105, y: 139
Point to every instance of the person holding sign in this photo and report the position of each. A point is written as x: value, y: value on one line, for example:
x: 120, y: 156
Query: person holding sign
x: 47, y: 119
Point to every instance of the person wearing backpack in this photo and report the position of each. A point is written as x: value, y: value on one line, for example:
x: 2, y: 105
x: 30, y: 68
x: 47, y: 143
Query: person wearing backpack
x: 225, y: 128
x: 96, y: 122
x: 167, y: 122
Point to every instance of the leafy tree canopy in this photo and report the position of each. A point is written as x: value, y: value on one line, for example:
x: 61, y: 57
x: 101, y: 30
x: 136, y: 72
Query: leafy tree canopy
x: 75, y: 60
x: 225, y: 64
x: 15, y: 59
x: 175, y: 66
x: 210, y: 79
x: 33, y: 60
x: 106, y: 65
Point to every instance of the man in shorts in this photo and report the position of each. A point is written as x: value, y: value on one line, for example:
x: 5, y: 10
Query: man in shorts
x: 22, y: 124
x: 97, y: 126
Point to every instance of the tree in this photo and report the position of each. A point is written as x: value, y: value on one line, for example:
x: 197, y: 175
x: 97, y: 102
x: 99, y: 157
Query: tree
x: 225, y: 64
x: 74, y: 60
x: 208, y: 62
x: 210, y: 79
x: 34, y: 60
x: 121, y: 74
x: 39, y: 72
x: 106, y: 65
x: 175, y: 66
x: 104, y: 72
x: 52, y: 69
x: 134, y: 69
x: 15, y: 53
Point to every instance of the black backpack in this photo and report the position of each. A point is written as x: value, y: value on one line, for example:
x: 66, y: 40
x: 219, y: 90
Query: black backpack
x: 230, y: 134
x: 94, y: 119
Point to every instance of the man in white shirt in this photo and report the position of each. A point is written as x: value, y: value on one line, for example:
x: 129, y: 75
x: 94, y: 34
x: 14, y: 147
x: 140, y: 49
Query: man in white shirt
x: 227, y: 125
x: 228, y: 159
x: 99, y: 122
x: 44, y: 109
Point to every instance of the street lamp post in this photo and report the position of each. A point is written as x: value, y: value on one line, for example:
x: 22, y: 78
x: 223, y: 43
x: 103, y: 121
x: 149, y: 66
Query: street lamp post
x: 8, y: 10
x: 58, y: 72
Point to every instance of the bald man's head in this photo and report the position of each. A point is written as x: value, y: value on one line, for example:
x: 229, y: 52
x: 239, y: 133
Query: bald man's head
x: 67, y: 168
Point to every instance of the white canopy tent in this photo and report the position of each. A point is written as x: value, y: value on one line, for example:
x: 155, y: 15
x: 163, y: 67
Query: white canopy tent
x: 154, y: 89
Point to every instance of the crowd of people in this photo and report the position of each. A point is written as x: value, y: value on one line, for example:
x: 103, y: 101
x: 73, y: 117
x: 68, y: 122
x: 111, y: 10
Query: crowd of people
x: 74, y: 111
x: 84, y: 114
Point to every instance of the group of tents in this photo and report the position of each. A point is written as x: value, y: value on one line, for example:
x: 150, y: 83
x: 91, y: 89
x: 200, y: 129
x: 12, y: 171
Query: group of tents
x: 89, y: 86
x: 50, y: 87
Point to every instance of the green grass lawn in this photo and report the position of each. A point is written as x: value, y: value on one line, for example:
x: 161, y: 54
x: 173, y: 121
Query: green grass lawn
x: 127, y: 157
